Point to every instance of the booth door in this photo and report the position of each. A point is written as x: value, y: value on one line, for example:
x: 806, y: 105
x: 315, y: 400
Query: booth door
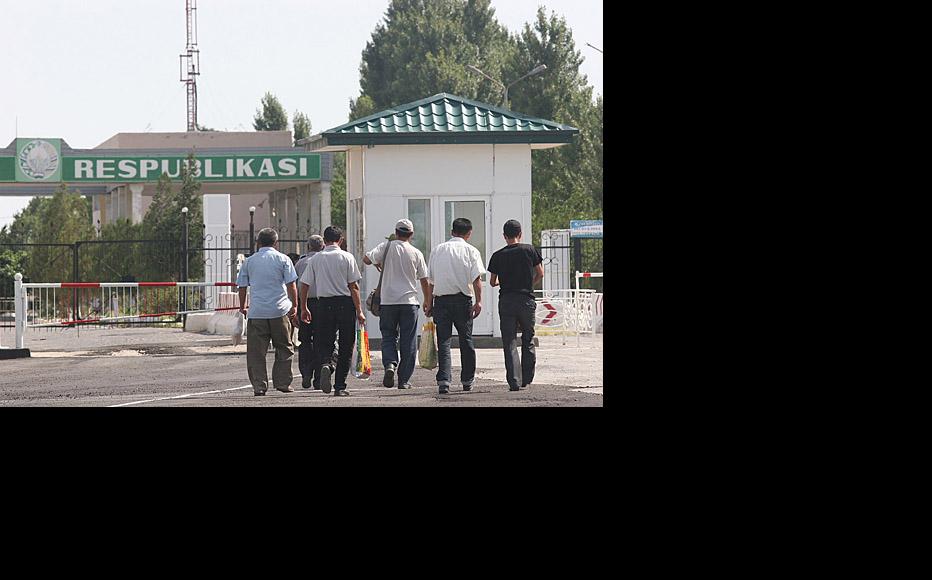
x: 476, y: 211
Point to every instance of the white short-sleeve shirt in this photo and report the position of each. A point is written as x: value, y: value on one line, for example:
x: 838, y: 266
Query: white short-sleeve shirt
x: 330, y: 273
x: 406, y: 267
x: 454, y: 265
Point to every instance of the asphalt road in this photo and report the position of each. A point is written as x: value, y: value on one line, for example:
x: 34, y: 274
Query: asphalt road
x: 165, y: 367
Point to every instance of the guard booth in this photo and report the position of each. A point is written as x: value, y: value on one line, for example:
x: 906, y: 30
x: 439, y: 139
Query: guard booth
x: 432, y: 161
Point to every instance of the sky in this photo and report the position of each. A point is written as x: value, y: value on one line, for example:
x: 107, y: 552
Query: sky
x: 84, y: 70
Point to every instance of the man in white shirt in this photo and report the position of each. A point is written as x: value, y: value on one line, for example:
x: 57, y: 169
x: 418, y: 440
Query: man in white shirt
x: 402, y: 266
x: 456, y: 271
x: 333, y: 276
x: 309, y: 368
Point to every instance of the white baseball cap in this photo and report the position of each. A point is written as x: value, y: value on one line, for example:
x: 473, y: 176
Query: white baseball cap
x: 404, y: 226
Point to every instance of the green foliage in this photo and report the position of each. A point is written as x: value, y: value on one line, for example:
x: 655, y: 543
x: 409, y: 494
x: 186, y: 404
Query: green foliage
x: 272, y: 117
x: 338, y: 191
x: 11, y: 262
x: 164, y: 220
x: 302, y: 126
x: 204, y: 128
x: 422, y: 48
x: 25, y: 224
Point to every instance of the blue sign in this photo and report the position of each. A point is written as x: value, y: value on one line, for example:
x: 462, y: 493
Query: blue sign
x: 586, y: 229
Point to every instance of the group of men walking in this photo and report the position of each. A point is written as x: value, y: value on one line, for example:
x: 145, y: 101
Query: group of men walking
x: 320, y: 295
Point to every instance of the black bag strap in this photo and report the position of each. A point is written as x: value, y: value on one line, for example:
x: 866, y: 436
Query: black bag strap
x: 388, y: 246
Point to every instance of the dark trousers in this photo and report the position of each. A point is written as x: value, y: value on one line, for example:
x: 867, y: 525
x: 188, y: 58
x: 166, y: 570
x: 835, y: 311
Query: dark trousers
x: 335, y: 316
x: 392, y: 318
x: 516, y: 312
x: 307, y: 357
x: 449, y: 311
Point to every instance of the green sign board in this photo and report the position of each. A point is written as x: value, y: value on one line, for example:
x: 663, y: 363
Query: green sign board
x: 40, y: 161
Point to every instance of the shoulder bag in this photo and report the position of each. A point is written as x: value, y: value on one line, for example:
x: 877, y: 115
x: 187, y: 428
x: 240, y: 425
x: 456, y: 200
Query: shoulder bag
x: 374, y: 301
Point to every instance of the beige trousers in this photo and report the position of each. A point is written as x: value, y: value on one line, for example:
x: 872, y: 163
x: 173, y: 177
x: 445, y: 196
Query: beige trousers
x: 259, y: 331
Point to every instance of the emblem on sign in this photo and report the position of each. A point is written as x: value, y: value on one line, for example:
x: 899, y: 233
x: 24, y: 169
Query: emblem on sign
x: 38, y: 159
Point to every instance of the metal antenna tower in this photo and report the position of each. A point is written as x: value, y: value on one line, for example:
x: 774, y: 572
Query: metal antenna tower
x: 192, y: 69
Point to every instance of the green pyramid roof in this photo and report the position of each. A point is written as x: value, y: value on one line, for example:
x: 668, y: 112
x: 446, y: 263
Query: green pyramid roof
x: 448, y: 119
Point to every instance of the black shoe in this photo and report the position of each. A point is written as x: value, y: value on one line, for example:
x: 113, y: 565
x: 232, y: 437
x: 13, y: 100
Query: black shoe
x: 468, y: 387
x: 444, y: 389
x: 325, y: 384
x: 287, y: 389
x: 307, y: 381
x: 514, y: 388
x: 525, y: 386
x: 389, y: 379
x: 405, y: 386
x: 340, y: 393
x: 258, y: 393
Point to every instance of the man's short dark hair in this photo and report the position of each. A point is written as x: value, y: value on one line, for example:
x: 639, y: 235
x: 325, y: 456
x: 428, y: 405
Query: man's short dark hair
x: 512, y: 228
x: 403, y: 235
x: 461, y: 226
x: 332, y: 234
x: 266, y: 237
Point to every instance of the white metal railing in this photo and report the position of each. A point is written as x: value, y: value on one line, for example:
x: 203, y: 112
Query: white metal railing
x: 564, y: 312
x: 68, y: 304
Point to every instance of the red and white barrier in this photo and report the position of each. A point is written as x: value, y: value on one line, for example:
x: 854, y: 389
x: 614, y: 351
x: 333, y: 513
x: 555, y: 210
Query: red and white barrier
x: 68, y: 304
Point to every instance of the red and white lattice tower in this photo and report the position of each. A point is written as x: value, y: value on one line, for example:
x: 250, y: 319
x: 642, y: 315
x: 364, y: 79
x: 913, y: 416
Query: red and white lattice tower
x: 190, y: 63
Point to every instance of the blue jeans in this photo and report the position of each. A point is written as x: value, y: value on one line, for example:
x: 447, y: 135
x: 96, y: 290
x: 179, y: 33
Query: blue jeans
x: 449, y: 311
x: 392, y: 317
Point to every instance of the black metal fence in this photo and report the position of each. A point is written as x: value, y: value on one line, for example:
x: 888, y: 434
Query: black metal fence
x: 216, y: 259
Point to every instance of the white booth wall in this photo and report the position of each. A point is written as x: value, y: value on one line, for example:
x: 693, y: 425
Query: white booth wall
x: 388, y: 179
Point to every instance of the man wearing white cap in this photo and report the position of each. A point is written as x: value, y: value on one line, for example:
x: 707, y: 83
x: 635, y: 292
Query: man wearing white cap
x: 402, y: 266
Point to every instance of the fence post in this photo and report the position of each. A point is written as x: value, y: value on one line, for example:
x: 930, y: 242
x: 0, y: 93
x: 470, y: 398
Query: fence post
x: 74, y: 278
x: 19, y: 299
x: 184, y: 261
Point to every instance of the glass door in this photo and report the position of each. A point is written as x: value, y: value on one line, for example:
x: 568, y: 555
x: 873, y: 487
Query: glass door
x: 476, y: 211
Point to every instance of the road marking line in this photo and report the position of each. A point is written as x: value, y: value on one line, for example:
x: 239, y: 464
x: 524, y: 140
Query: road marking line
x: 590, y: 390
x: 226, y: 390
x: 180, y: 396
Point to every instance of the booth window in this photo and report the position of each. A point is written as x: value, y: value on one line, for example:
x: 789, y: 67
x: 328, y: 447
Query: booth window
x: 419, y: 214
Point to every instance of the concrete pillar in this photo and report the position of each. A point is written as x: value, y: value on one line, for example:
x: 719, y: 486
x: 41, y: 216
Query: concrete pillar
x: 135, y: 203
x: 324, y: 204
x: 216, y: 228
x: 291, y: 211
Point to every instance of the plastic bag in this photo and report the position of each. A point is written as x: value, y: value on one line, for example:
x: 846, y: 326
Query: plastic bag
x: 362, y: 366
x: 427, y: 354
x: 239, y: 330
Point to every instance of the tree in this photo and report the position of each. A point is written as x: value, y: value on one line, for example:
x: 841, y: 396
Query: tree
x: 338, y: 191
x: 567, y: 180
x: 422, y: 48
x: 302, y: 126
x: 272, y: 117
x: 164, y: 221
x: 24, y: 229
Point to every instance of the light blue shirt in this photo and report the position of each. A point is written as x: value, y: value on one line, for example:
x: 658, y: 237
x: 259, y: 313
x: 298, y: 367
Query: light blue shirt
x: 266, y: 273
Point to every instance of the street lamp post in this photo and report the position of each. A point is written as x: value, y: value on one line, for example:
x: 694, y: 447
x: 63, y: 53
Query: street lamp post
x: 252, y: 234
x: 537, y: 69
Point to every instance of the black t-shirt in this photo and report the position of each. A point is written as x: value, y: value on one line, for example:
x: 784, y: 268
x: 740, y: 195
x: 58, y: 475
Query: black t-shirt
x: 514, y: 266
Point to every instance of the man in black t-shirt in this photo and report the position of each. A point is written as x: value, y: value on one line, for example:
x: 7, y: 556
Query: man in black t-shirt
x: 516, y: 268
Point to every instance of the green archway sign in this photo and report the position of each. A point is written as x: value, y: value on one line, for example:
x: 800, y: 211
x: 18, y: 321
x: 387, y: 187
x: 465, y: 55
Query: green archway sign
x: 41, y: 161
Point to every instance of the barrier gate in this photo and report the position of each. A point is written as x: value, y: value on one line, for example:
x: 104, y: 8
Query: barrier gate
x: 68, y: 304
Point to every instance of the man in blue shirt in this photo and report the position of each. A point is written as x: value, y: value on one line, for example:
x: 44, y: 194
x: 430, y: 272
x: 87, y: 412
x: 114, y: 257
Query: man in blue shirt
x: 273, y: 301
